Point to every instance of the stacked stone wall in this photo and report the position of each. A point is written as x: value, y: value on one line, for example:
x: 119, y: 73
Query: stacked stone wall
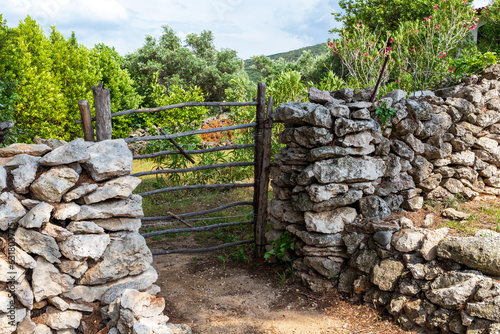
x: 70, y: 249
x: 343, y: 176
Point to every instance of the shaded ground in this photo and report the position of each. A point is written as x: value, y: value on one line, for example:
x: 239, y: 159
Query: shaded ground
x: 233, y: 297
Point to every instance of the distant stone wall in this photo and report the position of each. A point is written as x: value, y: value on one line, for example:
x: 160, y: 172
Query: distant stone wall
x: 70, y: 243
x: 342, y: 176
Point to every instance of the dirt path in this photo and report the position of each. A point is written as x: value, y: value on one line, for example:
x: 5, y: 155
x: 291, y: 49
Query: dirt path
x: 213, y: 297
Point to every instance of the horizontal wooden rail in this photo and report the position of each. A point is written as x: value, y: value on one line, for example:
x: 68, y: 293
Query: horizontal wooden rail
x: 198, y: 186
x: 202, y: 151
x: 179, y: 105
x: 190, y: 133
x: 199, y: 213
x: 204, y: 250
x: 194, y: 169
x: 194, y: 229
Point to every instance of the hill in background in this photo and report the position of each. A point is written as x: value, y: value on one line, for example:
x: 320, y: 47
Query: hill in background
x: 289, y: 56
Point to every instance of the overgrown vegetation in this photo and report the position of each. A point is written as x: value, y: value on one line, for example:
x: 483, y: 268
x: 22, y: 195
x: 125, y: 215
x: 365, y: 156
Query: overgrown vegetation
x: 427, y: 44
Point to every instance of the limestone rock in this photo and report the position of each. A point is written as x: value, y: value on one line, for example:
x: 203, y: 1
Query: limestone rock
x: 80, y: 192
x: 329, y: 221
x: 73, y: 268
x: 487, y: 310
x: 119, y: 224
x: 47, y: 281
x: 23, y: 259
x: 24, y: 294
x: 121, y: 188
x: 37, y: 216
x: 326, y: 152
x: 75, y: 151
x: 348, y: 169
x: 128, y: 255
x: 320, y: 239
x: 284, y: 211
x: 453, y: 289
x: 482, y: 253
x: 108, y: 159
x: 85, y: 228
x: 63, y: 320
x: 440, y: 194
x: 11, y: 210
x: 465, y: 158
x: 364, y: 260
x: 320, y: 193
x: 327, y: 267
x: 386, y: 274
x: 431, y: 240
x: 66, y: 211
x: 111, y: 291
x: 30, y: 149
x: 407, y: 240
x: 34, y: 242
x: 438, y: 124
x: 374, y: 207
x: 361, y: 139
x: 302, y: 202
x: 82, y: 246
x: 130, y: 207
x: 344, y: 126
x: 451, y: 213
x: 142, y: 304
x: 293, y: 113
x: 53, y: 184
x: 57, y: 232
x: 23, y: 169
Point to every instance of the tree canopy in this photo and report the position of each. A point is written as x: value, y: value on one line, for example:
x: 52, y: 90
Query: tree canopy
x: 197, y: 63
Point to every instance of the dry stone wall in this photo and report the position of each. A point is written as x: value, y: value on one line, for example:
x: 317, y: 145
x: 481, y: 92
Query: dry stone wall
x: 69, y: 242
x: 342, y: 176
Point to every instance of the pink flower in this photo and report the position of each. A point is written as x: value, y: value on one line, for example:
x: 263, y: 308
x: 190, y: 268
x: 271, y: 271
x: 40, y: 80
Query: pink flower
x: 366, y: 54
x: 438, y: 26
x: 436, y: 6
x: 397, y: 79
x: 392, y: 40
x: 465, y: 2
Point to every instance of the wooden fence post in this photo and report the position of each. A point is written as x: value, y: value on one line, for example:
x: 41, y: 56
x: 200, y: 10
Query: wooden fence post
x: 88, y: 128
x: 259, y: 220
x: 102, y: 102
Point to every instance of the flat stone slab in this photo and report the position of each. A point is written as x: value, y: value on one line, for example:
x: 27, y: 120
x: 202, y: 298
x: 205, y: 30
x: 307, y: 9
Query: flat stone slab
x: 30, y: 149
x: 75, y: 151
x: 348, y: 169
x: 130, y: 208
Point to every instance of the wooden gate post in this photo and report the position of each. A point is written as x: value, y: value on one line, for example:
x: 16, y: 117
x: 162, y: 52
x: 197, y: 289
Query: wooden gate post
x: 259, y: 201
x: 88, y: 128
x: 102, y: 102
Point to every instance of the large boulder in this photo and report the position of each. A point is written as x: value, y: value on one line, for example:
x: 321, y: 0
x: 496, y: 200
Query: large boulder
x: 481, y: 253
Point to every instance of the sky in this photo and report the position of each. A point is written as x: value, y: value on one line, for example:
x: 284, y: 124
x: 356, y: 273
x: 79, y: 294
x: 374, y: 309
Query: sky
x: 251, y: 27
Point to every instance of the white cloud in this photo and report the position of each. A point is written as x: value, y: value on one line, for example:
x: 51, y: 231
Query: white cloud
x: 250, y: 27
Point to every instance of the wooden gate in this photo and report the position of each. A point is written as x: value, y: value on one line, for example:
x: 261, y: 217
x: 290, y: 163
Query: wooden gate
x: 262, y: 145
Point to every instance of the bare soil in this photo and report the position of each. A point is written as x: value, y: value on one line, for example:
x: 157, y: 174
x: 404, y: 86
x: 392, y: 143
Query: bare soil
x: 234, y: 297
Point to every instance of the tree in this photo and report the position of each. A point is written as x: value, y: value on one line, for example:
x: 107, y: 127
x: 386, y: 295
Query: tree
x: 198, y: 63
x: 52, y: 73
x: 7, y: 80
